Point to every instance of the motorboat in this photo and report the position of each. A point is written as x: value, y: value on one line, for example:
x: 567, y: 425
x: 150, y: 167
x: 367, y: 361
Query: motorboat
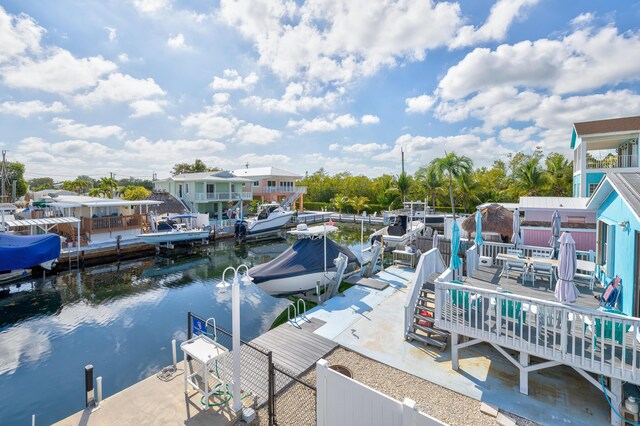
x: 19, y: 253
x: 271, y: 217
x: 174, y: 229
x: 310, y: 260
x: 399, y: 232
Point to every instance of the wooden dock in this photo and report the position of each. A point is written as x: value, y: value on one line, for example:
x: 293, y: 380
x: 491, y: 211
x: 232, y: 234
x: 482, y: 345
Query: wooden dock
x: 296, y: 349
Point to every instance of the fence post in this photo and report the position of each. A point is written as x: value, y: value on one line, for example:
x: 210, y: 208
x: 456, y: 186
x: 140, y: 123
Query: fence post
x: 408, y: 412
x: 271, y: 403
x: 322, y: 367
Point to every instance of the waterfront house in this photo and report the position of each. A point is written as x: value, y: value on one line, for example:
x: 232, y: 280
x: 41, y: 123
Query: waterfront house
x: 602, y: 146
x: 273, y: 184
x: 574, y: 216
x: 617, y: 203
x: 208, y: 192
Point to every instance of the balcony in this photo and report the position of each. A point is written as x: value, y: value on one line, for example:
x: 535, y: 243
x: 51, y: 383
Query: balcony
x: 283, y: 189
x: 204, y: 197
x: 613, y: 162
x: 113, y: 223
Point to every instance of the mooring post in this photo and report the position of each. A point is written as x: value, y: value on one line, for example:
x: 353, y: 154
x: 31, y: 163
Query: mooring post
x: 88, y: 386
x: 98, y: 391
x: 174, y: 353
x: 33, y: 420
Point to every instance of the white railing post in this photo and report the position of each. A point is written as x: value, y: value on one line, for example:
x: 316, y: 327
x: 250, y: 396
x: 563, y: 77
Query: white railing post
x: 408, y: 412
x: 322, y: 367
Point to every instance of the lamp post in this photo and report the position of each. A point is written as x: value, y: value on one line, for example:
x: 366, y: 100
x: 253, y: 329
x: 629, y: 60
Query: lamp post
x: 235, y: 319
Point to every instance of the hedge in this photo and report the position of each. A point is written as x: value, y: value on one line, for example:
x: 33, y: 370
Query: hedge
x: 319, y: 206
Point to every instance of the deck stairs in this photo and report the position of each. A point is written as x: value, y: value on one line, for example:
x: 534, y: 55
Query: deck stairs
x: 294, y: 197
x: 188, y: 205
x: 71, y: 234
x: 423, y: 329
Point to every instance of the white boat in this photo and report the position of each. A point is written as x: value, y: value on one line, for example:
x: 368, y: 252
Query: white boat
x: 400, y: 232
x: 168, y: 231
x: 271, y: 217
x: 310, y: 260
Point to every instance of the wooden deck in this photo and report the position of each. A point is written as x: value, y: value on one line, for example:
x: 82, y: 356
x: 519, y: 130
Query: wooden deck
x: 488, y: 277
x: 296, y: 349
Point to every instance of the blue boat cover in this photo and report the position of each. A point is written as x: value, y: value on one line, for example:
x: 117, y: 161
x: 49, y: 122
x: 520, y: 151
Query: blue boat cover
x: 303, y: 257
x: 25, y: 251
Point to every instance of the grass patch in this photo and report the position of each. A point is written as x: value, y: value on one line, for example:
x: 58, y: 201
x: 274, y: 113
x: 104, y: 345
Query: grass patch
x: 283, y: 318
x: 344, y: 286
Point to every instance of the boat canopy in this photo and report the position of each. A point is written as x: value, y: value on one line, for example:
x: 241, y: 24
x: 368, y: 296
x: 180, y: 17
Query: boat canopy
x: 303, y: 257
x: 26, y: 251
x: 182, y: 216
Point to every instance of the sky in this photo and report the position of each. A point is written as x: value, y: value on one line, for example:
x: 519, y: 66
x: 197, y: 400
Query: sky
x: 133, y: 87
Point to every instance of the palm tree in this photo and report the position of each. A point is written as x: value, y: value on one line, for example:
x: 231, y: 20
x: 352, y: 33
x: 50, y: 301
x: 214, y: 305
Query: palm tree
x: 79, y: 185
x: 107, y: 186
x: 530, y: 178
x: 340, y: 202
x: 560, y: 173
x: 431, y: 182
x: 466, y: 188
x: 95, y: 192
x: 403, y: 184
x: 359, y: 203
x: 452, y: 167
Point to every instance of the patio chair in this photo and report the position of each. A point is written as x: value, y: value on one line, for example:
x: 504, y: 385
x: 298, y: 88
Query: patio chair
x: 542, y: 253
x: 611, y: 294
x: 460, y: 298
x: 512, y: 310
x: 612, y: 330
x: 517, y: 266
x: 586, y: 278
x: 517, y: 252
x: 542, y: 269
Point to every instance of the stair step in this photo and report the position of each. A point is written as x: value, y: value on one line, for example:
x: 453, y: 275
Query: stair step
x: 426, y: 340
x: 425, y: 308
x: 423, y: 318
x: 431, y: 330
x: 426, y: 300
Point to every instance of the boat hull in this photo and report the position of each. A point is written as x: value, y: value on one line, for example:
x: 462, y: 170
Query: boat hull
x: 269, y: 225
x: 296, y: 284
x: 159, y: 238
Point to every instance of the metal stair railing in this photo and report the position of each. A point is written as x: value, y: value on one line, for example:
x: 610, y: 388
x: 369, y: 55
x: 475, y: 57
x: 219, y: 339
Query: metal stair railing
x: 188, y: 205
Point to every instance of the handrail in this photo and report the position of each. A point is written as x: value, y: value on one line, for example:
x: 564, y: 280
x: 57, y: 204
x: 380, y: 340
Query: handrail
x: 492, y: 249
x: 596, y: 341
x: 429, y: 263
x: 472, y: 259
x: 304, y: 305
x: 215, y: 329
x: 291, y: 319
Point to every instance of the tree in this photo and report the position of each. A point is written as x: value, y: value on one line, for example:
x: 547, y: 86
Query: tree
x: 466, y: 189
x: 198, y: 166
x: 40, y: 184
x: 359, y: 203
x: 403, y: 184
x: 131, y: 181
x: 529, y: 177
x: 340, y: 202
x: 80, y: 185
x: 135, y: 193
x: 107, y: 186
x: 452, y: 167
x: 15, y: 172
x: 428, y: 177
x: 560, y: 174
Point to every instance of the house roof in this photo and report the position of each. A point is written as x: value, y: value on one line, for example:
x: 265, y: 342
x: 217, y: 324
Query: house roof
x: 553, y: 203
x: 170, y: 204
x: 508, y: 206
x: 613, y: 125
x: 627, y: 185
x: 211, y: 176
x: 81, y: 200
x: 255, y: 172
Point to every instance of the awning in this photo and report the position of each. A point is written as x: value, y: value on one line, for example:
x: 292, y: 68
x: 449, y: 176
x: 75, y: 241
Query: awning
x: 47, y: 221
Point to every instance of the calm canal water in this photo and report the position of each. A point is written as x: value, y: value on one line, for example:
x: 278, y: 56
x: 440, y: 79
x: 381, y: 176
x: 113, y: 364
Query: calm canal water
x: 120, y: 318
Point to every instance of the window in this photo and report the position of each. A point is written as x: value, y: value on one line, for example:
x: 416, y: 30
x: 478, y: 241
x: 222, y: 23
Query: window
x: 271, y: 183
x: 211, y: 188
x: 606, y: 243
x: 186, y: 188
x: 256, y: 183
x: 592, y: 187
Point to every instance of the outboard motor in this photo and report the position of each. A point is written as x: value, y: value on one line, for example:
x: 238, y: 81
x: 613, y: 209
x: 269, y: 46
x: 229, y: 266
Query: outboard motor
x: 240, y: 230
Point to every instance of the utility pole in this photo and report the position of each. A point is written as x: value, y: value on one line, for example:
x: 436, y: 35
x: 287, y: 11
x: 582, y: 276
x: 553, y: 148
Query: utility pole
x: 4, y: 178
x: 402, y: 153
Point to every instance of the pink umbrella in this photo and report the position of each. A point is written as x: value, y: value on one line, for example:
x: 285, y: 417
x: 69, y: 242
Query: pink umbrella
x: 566, y: 291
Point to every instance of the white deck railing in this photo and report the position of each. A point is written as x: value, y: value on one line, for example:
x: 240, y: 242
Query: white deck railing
x: 492, y: 249
x: 595, y: 341
x: 214, y: 196
x: 428, y: 264
x: 473, y: 260
x: 613, y: 162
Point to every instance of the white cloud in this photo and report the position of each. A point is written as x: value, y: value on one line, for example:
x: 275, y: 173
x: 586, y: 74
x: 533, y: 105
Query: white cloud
x: 582, y: 20
x: 370, y: 119
x: 518, y: 136
x: 337, y: 40
x: 176, y: 42
x: 79, y: 149
x: 264, y: 160
x: 256, y: 134
x: 82, y: 131
x: 323, y: 124
x: 112, y: 33
x: 221, y: 98
x: 60, y: 72
x: 141, y: 147
x: 580, y: 61
x: 501, y: 16
x: 121, y: 88
x: 420, y: 104
x: 144, y: 107
x: 296, y: 98
x: 232, y: 80
x: 123, y: 57
x: 18, y: 35
x: 28, y: 108
x: 210, y: 124
x: 359, y: 148
x: 151, y: 6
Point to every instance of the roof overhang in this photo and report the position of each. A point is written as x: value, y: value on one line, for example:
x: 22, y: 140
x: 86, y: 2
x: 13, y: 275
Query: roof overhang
x: 603, y: 191
x: 40, y: 222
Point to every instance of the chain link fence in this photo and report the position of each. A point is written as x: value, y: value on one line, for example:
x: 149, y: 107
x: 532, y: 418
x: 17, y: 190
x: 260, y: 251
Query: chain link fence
x: 294, y: 400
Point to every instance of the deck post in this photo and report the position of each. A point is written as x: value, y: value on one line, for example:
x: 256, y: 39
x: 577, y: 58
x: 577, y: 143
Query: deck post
x: 408, y: 412
x: 454, y: 351
x: 322, y: 367
x: 616, y: 400
x: 524, y: 373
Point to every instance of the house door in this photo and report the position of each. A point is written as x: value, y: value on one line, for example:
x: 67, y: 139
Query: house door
x: 636, y: 277
x: 179, y: 191
x: 211, y: 188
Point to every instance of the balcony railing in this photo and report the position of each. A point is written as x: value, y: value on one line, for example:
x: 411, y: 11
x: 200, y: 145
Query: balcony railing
x: 223, y: 196
x: 113, y: 223
x: 613, y: 162
x: 283, y: 189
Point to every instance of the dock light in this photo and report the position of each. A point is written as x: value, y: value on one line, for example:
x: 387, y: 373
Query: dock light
x: 624, y: 225
x: 235, y: 320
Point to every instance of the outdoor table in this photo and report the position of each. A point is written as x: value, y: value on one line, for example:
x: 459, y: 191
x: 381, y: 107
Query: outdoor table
x: 206, y: 351
x: 581, y: 265
x: 403, y: 257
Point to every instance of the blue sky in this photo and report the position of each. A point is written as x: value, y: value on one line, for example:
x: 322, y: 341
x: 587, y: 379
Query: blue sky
x: 133, y: 87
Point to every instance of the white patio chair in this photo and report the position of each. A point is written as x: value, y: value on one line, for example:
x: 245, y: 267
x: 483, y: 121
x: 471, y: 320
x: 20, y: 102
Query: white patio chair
x: 542, y: 269
x: 541, y: 253
x: 516, y: 252
x: 586, y: 278
x: 517, y: 266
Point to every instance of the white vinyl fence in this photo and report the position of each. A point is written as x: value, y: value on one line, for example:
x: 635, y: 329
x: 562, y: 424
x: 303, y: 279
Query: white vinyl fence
x: 344, y: 401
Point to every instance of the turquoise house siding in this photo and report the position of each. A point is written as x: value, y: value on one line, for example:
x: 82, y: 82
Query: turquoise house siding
x: 576, y: 185
x: 595, y: 178
x: 613, y: 211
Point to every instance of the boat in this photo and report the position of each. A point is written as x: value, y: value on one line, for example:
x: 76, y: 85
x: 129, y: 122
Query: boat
x: 19, y: 253
x: 168, y: 231
x: 271, y: 217
x: 309, y: 261
x: 399, y: 232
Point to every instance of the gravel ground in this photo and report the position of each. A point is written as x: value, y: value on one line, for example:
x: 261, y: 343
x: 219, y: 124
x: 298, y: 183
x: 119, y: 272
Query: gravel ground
x: 437, y: 401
